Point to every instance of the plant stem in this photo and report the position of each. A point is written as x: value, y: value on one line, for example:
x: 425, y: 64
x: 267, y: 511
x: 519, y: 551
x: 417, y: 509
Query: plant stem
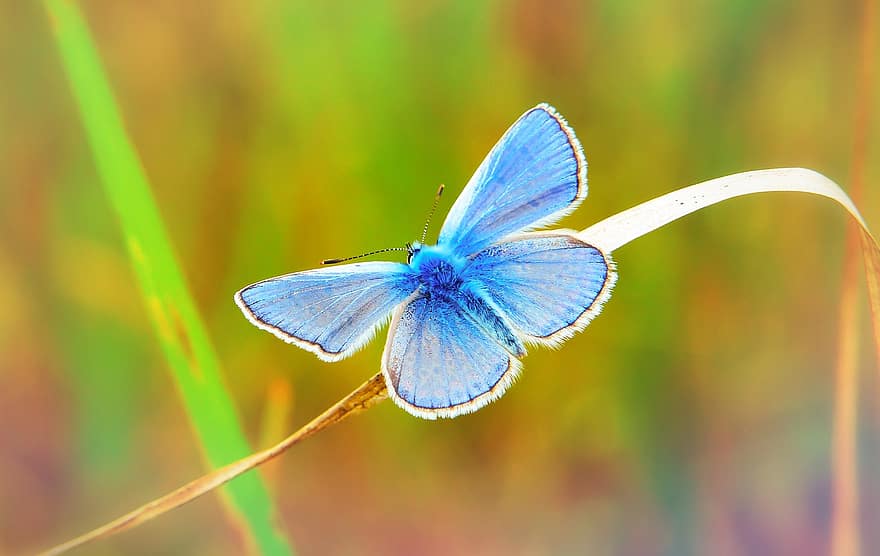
x: 845, y: 530
x: 365, y: 396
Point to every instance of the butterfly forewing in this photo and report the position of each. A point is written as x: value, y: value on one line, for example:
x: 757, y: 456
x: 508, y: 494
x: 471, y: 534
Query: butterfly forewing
x: 533, y: 176
x: 330, y: 311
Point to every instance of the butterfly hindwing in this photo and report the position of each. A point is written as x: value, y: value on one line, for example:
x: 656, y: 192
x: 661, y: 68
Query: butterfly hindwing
x: 533, y: 176
x: 439, y: 362
x: 330, y: 311
x: 548, y: 285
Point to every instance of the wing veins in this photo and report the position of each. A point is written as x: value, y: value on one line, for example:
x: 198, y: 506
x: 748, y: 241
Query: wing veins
x: 335, y: 298
x: 372, y: 316
x: 312, y: 288
x: 329, y: 325
x: 476, y: 366
x: 534, y: 157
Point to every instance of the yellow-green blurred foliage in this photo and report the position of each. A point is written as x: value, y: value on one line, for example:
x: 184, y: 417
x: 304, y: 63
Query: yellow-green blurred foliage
x: 692, y: 417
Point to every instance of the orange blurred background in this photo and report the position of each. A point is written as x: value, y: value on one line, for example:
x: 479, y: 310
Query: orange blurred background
x: 692, y: 417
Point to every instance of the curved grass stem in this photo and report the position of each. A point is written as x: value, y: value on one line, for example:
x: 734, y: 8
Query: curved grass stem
x: 365, y: 396
x: 624, y: 227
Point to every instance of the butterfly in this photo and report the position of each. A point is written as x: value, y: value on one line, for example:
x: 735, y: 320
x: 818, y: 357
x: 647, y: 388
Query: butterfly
x: 463, y: 310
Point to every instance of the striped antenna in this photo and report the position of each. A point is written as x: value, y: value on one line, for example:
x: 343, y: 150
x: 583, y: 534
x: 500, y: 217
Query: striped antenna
x: 337, y: 261
x: 408, y: 248
x: 431, y: 214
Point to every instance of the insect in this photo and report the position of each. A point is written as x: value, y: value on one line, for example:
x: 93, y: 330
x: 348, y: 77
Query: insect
x: 462, y: 310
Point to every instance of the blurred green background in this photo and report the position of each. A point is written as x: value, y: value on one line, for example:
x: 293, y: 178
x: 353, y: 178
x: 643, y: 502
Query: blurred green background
x: 692, y: 417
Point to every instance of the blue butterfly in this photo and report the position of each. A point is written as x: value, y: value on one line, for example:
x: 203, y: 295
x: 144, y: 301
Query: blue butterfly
x: 463, y: 310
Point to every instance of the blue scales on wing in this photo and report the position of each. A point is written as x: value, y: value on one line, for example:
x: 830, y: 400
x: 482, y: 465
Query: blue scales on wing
x: 533, y: 176
x: 548, y: 285
x: 440, y: 362
x: 466, y: 306
x: 330, y: 311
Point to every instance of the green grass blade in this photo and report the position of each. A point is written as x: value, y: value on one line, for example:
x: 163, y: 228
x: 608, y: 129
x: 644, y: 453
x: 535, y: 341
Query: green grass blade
x: 182, y: 335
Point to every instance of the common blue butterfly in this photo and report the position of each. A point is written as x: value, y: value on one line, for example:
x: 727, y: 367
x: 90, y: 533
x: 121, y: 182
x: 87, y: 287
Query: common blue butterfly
x: 463, y: 310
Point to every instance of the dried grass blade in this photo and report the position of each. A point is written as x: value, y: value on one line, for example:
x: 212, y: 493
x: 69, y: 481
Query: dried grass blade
x: 365, y: 396
x: 622, y: 228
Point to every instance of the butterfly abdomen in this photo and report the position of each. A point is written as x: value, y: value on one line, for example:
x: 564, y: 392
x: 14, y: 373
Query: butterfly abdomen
x: 440, y: 276
x: 486, y: 317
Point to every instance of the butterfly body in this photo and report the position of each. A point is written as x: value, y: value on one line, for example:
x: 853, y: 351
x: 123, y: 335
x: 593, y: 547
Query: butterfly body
x: 438, y: 269
x: 463, y: 309
x: 442, y: 274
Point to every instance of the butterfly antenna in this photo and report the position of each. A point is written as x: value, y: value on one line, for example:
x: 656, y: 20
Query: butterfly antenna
x: 431, y: 214
x: 408, y: 248
x: 337, y: 261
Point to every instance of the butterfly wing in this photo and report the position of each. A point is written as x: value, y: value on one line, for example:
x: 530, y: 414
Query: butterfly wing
x: 548, y: 285
x: 439, y: 363
x: 533, y: 176
x: 330, y: 311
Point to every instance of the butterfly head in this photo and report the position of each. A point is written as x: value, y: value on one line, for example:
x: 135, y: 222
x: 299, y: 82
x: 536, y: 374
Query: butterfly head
x: 437, y: 267
x: 412, y: 249
x: 420, y: 255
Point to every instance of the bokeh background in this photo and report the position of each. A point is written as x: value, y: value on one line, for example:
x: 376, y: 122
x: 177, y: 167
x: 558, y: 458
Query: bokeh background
x: 693, y: 417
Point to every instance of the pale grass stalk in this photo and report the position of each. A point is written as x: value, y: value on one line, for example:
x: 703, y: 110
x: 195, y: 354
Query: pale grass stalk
x: 369, y: 393
x: 844, y: 445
